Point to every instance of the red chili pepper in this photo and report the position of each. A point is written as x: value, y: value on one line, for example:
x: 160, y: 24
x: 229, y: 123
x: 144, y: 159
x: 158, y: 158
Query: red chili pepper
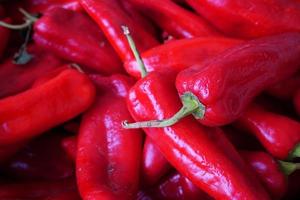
x: 286, y: 89
x: 204, y: 155
x: 4, y: 37
x: 297, y: 101
x: 110, y: 17
x: 223, y: 87
x: 40, y: 6
x: 18, y: 78
x: 279, y: 134
x: 268, y: 170
x: 36, y: 110
x: 176, y: 20
x: 250, y: 18
x: 180, y: 54
x: 154, y: 164
x: 35, y: 189
x: 41, y: 159
x: 69, y: 144
x: 108, y: 156
x: 86, y: 46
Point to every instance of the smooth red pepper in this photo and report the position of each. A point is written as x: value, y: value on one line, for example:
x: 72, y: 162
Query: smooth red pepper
x: 269, y: 172
x: 36, y: 110
x: 250, y: 18
x: 154, y: 164
x: 108, y: 156
x: 176, y: 20
x: 180, y: 54
x: 224, y: 86
x: 18, y: 78
x: 297, y: 101
x: 40, y: 6
x: 86, y: 46
x: 203, y: 155
x: 41, y: 159
x: 4, y: 37
x: 110, y: 17
x: 279, y: 134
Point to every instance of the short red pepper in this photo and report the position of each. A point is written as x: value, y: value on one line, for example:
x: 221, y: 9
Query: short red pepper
x: 279, y: 134
x: 176, y: 20
x: 180, y: 54
x: 108, y: 156
x: 110, y: 17
x: 250, y: 18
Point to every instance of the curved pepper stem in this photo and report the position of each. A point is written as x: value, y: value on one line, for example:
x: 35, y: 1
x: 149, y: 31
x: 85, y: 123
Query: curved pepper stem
x: 288, y: 167
x: 295, y: 153
x: 190, y: 106
x: 135, y: 51
x: 29, y: 20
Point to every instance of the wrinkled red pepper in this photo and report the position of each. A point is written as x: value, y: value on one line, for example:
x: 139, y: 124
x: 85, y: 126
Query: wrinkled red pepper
x: 223, y: 87
x: 176, y: 20
x: 36, y: 110
x: 180, y: 54
x: 279, y: 134
x: 110, y: 17
x: 86, y: 46
x: 269, y: 172
x: 108, y: 156
x: 250, y: 18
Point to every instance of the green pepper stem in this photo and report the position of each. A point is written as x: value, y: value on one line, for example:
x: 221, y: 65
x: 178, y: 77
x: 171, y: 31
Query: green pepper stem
x: 190, y: 105
x: 288, y: 167
x: 135, y: 51
x: 295, y: 153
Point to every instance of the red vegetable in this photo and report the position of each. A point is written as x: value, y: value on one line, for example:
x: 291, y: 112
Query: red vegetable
x: 110, y: 17
x: 36, y: 110
x: 86, y: 46
x: 250, y: 18
x: 180, y: 54
x: 176, y: 20
x: 279, y: 134
x: 108, y: 156
x: 40, y: 6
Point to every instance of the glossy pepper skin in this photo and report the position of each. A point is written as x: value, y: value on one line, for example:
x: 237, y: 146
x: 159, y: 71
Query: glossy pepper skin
x: 41, y: 159
x: 250, y: 18
x: 268, y: 171
x: 176, y: 20
x: 154, y: 164
x: 85, y: 46
x: 18, y: 78
x: 36, y: 110
x: 180, y: 54
x: 297, y: 101
x: 201, y: 154
x: 225, y: 85
x: 279, y: 134
x: 108, y: 156
x: 110, y: 16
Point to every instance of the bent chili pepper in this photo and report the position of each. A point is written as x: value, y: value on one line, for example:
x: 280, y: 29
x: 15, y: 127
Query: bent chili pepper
x: 269, y: 172
x: 180, y: 54
x: 86, y: 46
x: 250, y: 18
x: 36, y: 110
x: 176, y: 20
x: 279, y: 134
x: 203, y: 155
x: 297, y: 101
x: 110, y: 17
x: 108, y: 156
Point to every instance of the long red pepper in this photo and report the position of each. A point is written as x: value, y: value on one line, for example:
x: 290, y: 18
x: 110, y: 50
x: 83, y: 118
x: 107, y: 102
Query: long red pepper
x: 176, y: 20
x: 250, y: 18
x: 279, y: 134
x: 17, y: 78
x: 36, y: 110
x: 201, y: 154
x: 180, y: 54
x: 297, y: 101
x: 110, y: 17
x: 108, y: 156
x: 86, y: 46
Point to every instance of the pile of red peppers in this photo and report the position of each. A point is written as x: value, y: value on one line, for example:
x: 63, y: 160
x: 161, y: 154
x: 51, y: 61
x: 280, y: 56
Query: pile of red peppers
x: 149, y: 99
